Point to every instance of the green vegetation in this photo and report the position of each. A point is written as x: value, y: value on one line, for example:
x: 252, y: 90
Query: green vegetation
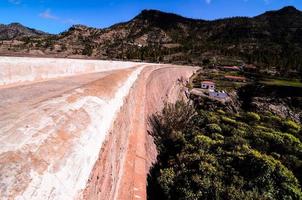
x: 220, y: 155
x: 88, y: 50
x: 279, y: 82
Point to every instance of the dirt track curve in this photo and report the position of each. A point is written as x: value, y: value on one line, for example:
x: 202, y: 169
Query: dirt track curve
x: 77, y: 129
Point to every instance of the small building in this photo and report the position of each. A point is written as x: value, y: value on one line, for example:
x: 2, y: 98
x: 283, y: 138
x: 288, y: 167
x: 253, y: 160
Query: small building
x: 235, y: 78
x: 218, y: 94
x: 208, y: 85
x: 230, y: 68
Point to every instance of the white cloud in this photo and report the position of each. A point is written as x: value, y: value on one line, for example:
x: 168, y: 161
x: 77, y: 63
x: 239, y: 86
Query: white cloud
x: 48, y: 15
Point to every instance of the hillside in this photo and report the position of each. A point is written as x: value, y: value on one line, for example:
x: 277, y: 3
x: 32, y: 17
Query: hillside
x: 16, y: 30
x: 271, y: 40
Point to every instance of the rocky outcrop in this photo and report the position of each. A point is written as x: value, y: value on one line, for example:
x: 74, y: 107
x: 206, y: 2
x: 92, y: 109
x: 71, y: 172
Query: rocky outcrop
x: 282, y: 107
x: 82, y: 136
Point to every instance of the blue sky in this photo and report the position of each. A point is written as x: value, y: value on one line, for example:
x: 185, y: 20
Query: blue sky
x: 55, y: 16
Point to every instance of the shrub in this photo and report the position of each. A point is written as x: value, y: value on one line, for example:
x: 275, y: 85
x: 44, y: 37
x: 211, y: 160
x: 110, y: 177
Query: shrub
x: 270, y: 173
x: 212, y: 118
x: 221, y: 112
x: 88, y: 50
x: 289, y: 124
x: 252, y: 117
x: 214, y: 128
x: 239, y: 132
x: 263, y: 128
x: 274, y: 119
x: 203, y: 141
x: 225, y: 159
x: 228, y: 120
x: 166, y: 179
x: 217, y: 136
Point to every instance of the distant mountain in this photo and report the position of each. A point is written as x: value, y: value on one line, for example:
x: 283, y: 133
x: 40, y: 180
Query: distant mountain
x: 272, y: 40
x: 16, y: 30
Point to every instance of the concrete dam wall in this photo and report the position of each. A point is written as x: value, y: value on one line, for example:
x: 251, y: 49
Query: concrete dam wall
x: 77, y: 129
x: 19, y: 70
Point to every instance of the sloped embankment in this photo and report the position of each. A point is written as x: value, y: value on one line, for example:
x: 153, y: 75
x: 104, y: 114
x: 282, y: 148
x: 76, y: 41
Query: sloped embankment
x: 75, y: 129
x: 121, y: 170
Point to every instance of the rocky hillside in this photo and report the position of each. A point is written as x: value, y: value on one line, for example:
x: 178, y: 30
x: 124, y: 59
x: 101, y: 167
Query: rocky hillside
x: 16, y: 30
x: 271, y: 40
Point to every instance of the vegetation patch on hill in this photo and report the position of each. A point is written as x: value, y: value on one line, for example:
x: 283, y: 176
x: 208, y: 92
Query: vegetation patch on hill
x: 279, y: 82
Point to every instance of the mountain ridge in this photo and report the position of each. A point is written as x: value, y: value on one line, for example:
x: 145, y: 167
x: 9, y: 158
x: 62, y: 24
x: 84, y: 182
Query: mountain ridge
x: 147, y: 13
x: 16, y: 30
x: 270, y: 40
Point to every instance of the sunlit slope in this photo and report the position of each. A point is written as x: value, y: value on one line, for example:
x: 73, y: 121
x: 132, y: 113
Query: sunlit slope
x: 72, y: 129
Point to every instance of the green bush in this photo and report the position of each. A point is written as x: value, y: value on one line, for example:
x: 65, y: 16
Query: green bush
x: 166, y: 179
x: 214, y: 128
x: 221, y: 112
x: 203, y: 141
x: 252, y: 117
x: 217, y: 136
x: 212, y: 118
x: 273, y: 119
x: 289, y: 124
x: 88, y: 50
x: 208, y: 156
x: 228, y: 120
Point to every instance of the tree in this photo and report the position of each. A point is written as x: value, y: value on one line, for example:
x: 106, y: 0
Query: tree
x: 88, y: 50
